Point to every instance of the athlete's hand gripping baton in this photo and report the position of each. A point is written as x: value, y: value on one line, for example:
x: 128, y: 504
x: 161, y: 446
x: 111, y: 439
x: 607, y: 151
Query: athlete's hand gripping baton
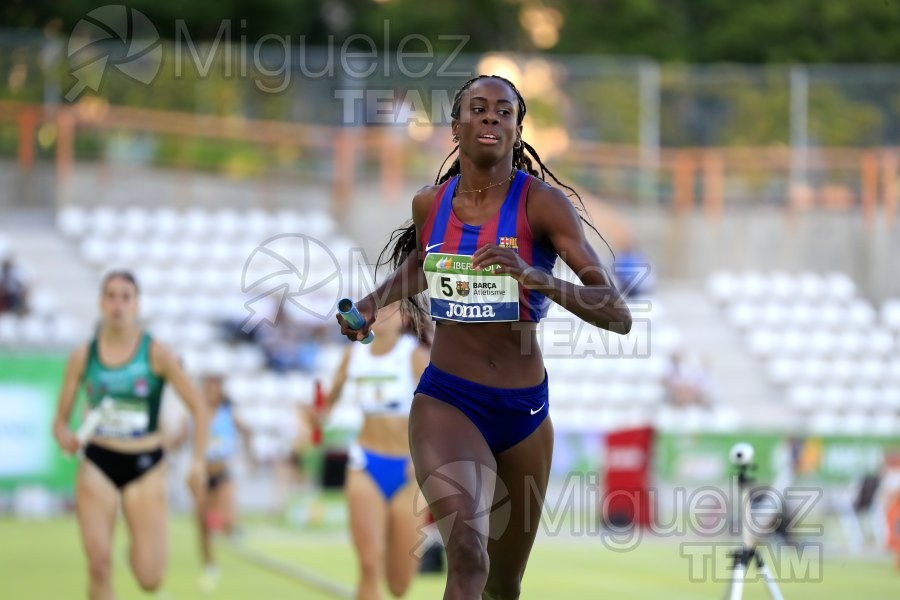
x: 348, y: 311
x: 91, y: 422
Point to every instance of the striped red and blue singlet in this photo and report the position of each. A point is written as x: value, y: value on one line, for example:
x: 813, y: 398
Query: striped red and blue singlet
x: 508, y: 227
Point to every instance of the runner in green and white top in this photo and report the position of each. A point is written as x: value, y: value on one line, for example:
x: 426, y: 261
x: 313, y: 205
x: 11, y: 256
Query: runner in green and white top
x: 125, y: 370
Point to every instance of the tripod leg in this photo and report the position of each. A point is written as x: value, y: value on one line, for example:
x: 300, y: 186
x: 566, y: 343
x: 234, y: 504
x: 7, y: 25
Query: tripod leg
x: 771, y: 584
x: 737, y: 582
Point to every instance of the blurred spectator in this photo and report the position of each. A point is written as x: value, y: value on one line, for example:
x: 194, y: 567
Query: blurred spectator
x: 889, y: 501
x: 776, y: 500
x: 688, y: 381
x: 13, y: 290
x: 290, y: 344
x: 633, y: 273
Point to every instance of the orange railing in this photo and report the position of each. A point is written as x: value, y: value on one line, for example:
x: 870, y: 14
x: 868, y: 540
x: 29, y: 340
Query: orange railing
x: 697, y: 177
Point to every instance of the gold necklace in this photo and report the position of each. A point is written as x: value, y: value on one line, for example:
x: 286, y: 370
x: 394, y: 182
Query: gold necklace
x: 487, y: 187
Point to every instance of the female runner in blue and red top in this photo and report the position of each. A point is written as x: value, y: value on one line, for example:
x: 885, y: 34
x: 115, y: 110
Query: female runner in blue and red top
x: 483, y: 242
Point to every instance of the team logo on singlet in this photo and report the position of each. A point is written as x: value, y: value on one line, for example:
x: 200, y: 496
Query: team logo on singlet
x: 509, y: 242
x: 462, y: 288
x: 141, y: 387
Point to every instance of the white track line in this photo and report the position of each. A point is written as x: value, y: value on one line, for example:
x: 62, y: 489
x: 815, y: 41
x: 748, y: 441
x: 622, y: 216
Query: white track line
x: 297, y: 573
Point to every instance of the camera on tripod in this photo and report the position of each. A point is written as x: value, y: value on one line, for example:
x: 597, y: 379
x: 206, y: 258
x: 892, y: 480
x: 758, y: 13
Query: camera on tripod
x: 741, y: 455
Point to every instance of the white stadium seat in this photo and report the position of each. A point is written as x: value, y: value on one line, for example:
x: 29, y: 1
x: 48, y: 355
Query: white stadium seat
x: 744, y: 315
x: 257, y: 223
x: 783, y: 287
x: 104, y: 222
x: 825, y: 422
x: 802, y: 314
x: 320, y: 224
x: 839, y: 286
x: 794, y: 342
x: 151, y: 279
x: 775, y: 314
x: 136, y: 221
x: 217, y: 253
x: 851, y: 343
x: 96, y: 251
x: 843, y: 370
x: 880, y: 343
x: 890, y: 314
x: 804, y: 397
x: 863, y: 396
x: 894, y: 370
x: 43, y: 304
x: 811, y: 287
x: 784, y: 370
x: 860, y: 314
x: 813, y: 370
x: 197, y: 223
x: 181, y: 279
x: 830, y: 315
x: 884, y: 424
x: 227, y: 223
x: 189, y: 252
x: 889, y: 397
x: 764, y: 342
x: 66, y: 331
x: 855, y: 424
x: 289, y: 221
x: 752, y: 286
x: 165, y: 223
x: 128, y: 252
x: 203, y: 306
x: 35, y: 331
x: 159, y: 251
x: 834, y: 397
x: 240, y: 388
x: 72, y: 221
x: 872, y: 371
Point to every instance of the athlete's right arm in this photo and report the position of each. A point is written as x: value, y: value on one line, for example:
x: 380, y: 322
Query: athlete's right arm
x: 407, y: 280
x: 340, y: 377
x: 63, y: 434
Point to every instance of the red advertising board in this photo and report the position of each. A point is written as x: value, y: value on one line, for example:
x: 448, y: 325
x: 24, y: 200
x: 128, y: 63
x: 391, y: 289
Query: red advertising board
x: 627, y: 464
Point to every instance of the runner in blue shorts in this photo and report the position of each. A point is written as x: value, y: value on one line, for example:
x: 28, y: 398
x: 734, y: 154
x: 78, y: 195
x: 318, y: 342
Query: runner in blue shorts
x: 384, y: 522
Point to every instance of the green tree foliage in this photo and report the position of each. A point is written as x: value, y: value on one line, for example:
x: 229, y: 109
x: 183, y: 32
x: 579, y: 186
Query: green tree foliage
x: 753, y: 31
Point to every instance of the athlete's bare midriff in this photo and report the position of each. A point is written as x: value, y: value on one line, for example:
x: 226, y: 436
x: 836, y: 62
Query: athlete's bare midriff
x: 151, y: 441
x: 385, y: 435
x: 503, y: 355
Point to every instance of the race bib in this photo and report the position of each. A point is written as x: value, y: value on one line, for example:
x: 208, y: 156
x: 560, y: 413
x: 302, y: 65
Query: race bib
x: 461, y: 293
x: 124, y: 421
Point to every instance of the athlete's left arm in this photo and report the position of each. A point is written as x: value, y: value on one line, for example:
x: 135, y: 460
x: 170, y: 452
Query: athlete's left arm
x: 554, y: 221
x: 167, y: 366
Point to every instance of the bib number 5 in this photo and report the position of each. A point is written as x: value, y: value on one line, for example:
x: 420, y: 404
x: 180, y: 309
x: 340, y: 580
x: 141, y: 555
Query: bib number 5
x: 445, y: 287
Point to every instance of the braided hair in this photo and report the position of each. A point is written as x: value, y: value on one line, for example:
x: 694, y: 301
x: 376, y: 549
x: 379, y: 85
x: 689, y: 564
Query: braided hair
x: 403, y: 241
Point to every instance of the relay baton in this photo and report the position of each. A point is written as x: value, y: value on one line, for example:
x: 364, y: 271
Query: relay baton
x: 354, y: 319
x: 318, y: 409
x: 91, y: 423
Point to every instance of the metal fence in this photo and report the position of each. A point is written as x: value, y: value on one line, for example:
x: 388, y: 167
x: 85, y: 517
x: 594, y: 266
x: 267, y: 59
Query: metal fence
x: 626, y: 129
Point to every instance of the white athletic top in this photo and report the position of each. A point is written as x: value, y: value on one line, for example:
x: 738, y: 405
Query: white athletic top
x: 383, y: 385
